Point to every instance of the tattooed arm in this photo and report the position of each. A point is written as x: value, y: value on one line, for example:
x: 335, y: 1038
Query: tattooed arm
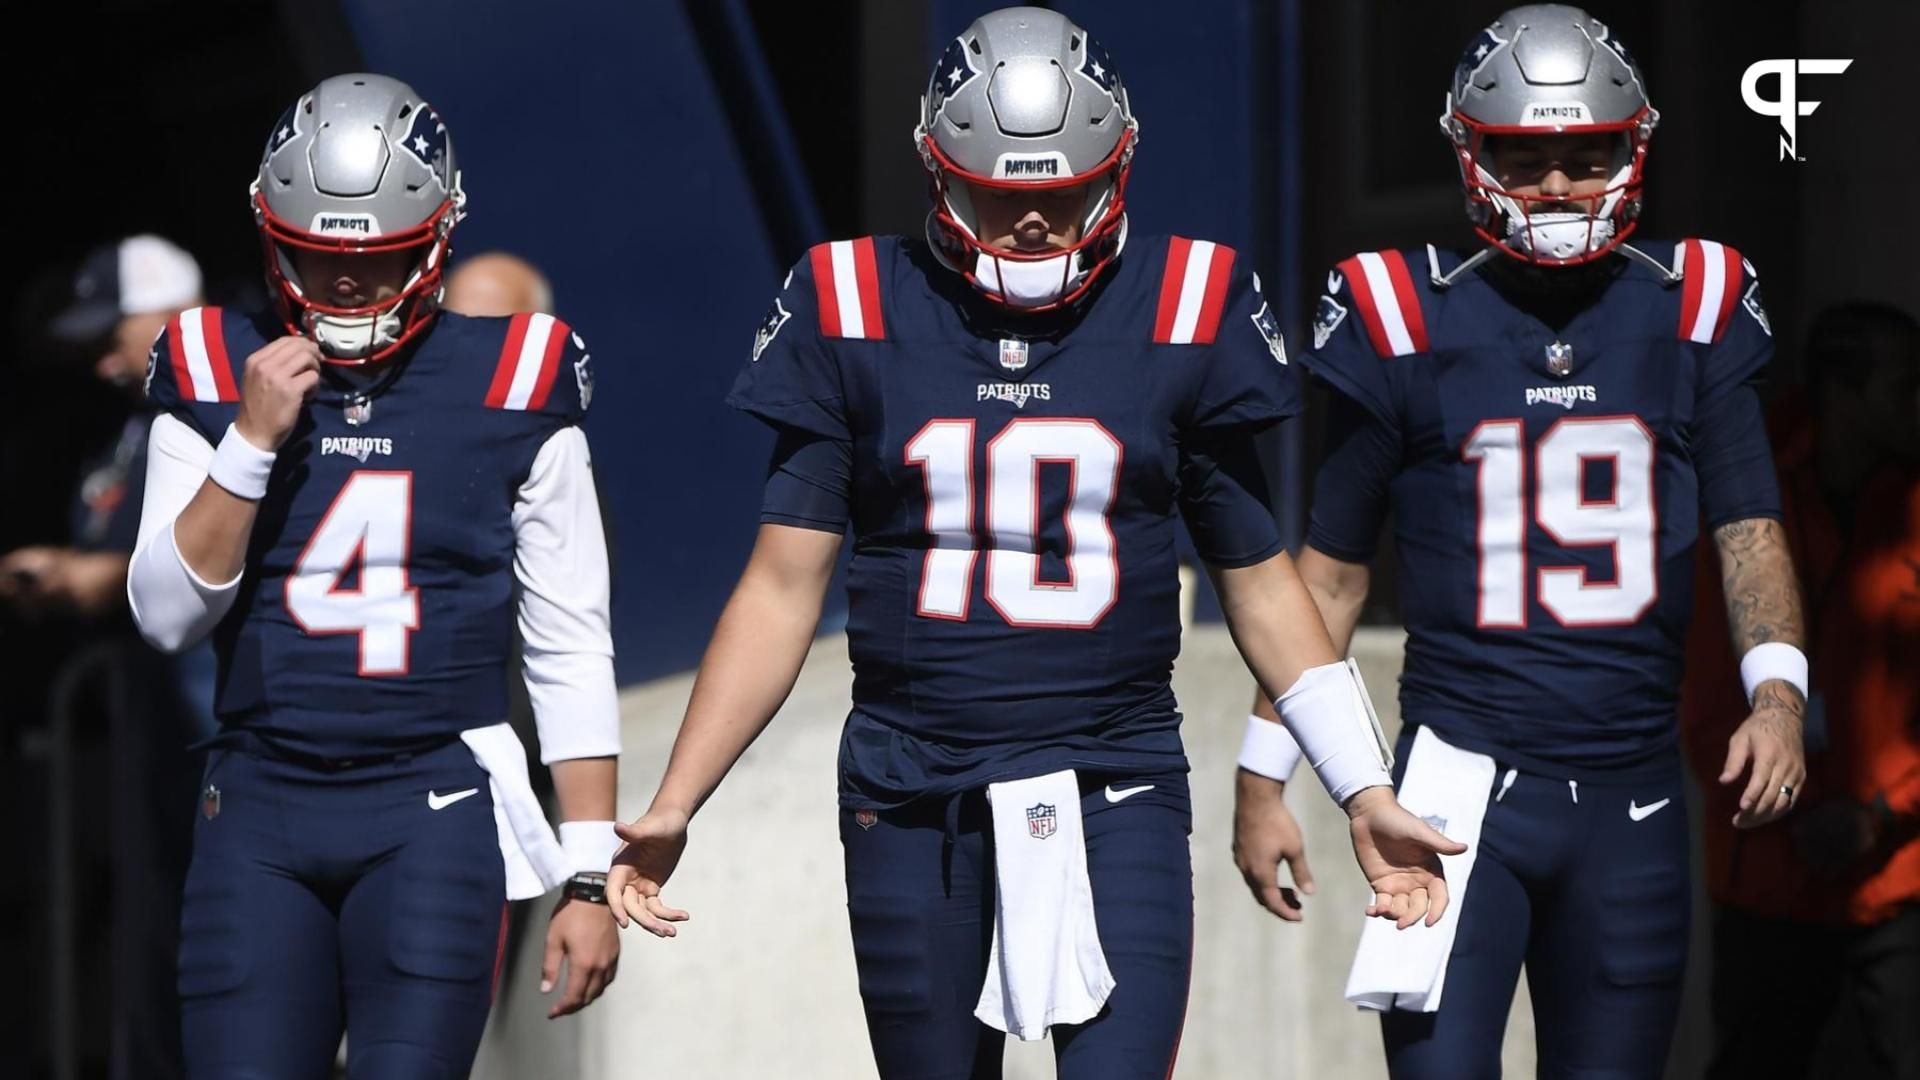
x: 1763, y: 605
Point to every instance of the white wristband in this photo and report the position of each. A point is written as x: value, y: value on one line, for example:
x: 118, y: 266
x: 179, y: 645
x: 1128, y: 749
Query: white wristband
x: 1268, y: 749
x: 241, y: 467
x: 1773, y: 660
x: 589, y: 845
x: 1330, y: 715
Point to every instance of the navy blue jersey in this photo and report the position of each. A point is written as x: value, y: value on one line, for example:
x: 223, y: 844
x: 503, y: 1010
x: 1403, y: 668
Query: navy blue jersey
x: 1547, y: 498
x: 375, y: 610
x: 1014, y: 484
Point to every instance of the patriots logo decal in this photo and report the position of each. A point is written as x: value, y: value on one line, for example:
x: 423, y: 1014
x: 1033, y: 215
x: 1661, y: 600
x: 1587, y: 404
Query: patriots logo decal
x: 770, y: 326
x: 1478, y: 53
x: 1098, y: 66
x: 283, y: 133
x: 1269, y: 328
x: 1327, y: 318
x: 954, y: 71
x: 426, y: 140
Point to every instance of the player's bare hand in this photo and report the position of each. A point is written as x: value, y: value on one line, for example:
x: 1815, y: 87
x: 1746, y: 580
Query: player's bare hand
x: 1400, y: 855
x: 1264, y: 836
x: 641, y: 868
x: 279, y: 379
x: 582, y: 933
x: 1768, y: 749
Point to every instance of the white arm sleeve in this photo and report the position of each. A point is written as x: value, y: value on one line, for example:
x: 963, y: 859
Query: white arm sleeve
x: 560, y: 557
x: 171, y: 605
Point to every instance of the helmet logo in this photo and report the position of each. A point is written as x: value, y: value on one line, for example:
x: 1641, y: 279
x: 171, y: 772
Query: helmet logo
x: 331, y: 224
x: 954, y: 71
x: 284, y: 132
x: 1098, y: 66
x: 426, y: 140
x: 1478, y: 53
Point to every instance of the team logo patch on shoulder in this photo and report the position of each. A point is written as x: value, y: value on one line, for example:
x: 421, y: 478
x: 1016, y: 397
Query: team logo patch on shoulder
x: 1751, y: 301
x: 1041, y: 821
x: 1264, y: 322
x: 583, y: 373
x: 1327, y: 318
x: 770, y: 326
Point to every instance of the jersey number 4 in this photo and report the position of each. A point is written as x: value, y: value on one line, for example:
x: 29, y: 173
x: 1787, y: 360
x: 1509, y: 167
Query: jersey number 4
x: 1626, y: 522
x: 367, y: 527
x: 944, y: 451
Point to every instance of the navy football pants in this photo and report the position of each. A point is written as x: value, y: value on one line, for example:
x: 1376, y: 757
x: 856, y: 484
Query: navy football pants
x: 1594, y: 903
x: 317, y: 899
x: 920, y: 894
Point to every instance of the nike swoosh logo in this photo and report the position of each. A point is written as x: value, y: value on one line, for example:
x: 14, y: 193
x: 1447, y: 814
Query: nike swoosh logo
x: 1642, y: 813
x: 441, y: 802
x: 1116, y: 794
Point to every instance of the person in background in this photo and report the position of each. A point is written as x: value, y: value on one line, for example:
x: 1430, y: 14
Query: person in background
x: 496, y: 284
x: 123, y: 295
x: 1816, y: 959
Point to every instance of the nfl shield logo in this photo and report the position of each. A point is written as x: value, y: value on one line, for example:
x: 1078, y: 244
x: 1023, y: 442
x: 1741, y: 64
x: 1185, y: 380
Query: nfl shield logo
x: 1040, y: 821
x: 1560, y: 359
x: 210, y: 803
x: 358, y: 410
x: 1013, y: 354
x: 865, y: 818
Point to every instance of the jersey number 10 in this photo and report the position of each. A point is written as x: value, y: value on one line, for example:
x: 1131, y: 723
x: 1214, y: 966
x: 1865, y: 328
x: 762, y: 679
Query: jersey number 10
x: 944, y: 451
x: 1626, y: 522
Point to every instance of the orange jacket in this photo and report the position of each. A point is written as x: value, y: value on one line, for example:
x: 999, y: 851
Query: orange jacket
x: 1863, y: 612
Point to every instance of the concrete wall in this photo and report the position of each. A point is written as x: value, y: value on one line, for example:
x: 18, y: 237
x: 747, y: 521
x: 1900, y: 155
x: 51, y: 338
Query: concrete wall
x: 761, y: 982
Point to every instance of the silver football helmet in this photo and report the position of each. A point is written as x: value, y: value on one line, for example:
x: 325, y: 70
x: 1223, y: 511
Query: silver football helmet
x: 361, y: 165
x: 1549, y: 69
x: 1025, y: 99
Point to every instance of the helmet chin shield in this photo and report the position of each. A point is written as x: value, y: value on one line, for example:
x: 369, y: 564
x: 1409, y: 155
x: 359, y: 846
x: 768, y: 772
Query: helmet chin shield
x: 1024, y: 100
x: 1549, y: 70
x: 360, y: 168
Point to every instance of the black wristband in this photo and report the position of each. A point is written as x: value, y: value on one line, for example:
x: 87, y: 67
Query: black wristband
x: 590, y: 887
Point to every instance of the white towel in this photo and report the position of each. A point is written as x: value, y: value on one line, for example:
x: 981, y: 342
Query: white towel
x: 1046, y: 966
x: 535, y: 861
x: 1407, y: 969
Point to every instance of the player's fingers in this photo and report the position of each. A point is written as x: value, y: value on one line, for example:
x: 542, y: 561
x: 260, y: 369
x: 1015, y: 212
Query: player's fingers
x: 618, y: 878
x: 631, y: 832
x: 658, y: 909
x: 1416, y: 909
x: 1382, y: 903
x: 550, y: 963
x: 1402, y: 902
x: 1302, y: 874
x: 576, y: 992
x: 1279, y: 901
x: 597, y: 980
x: 1759, y: 774
x: 1435, y: 840
x: 1436, y: 900
x: 1737, y: 750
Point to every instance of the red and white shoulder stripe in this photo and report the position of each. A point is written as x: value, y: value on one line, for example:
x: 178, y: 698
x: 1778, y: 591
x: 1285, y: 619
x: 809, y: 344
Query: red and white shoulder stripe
x: 1384, y: 291
x: 1193, y: 292
x: 846, y: 278
x: 198, y: 346
x: 523, y: 376
x: 1709, y: 286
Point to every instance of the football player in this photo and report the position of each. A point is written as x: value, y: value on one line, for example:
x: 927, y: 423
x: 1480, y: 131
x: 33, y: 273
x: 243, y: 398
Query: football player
x: 1551, y: 418
x: 344, y: 493
x: 1008, y: 416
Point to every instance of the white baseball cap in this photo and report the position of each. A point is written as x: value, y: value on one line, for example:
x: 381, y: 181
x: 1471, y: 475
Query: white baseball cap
x: 133, y: 276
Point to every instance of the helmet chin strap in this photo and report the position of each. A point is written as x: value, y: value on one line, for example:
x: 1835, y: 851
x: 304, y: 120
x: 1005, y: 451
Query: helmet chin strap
x: 1029, y: 282
x: 356, y: 337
